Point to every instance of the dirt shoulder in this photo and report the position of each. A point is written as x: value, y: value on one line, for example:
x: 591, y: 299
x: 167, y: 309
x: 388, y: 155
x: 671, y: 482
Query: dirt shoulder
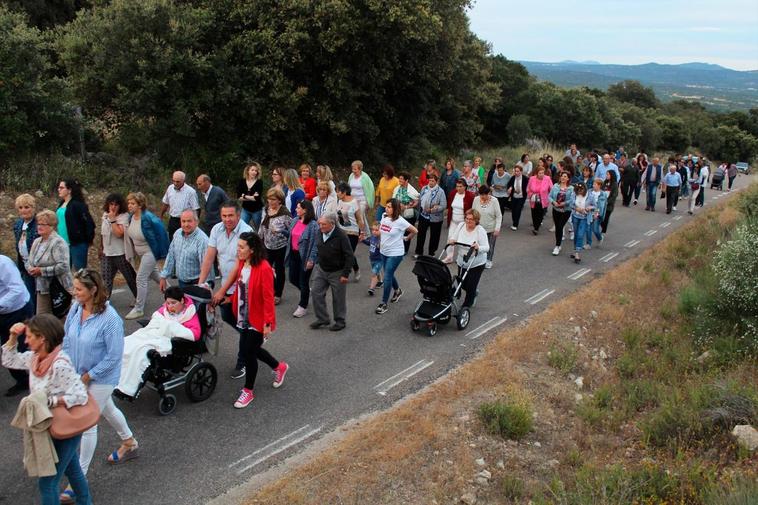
x: 433, y: 448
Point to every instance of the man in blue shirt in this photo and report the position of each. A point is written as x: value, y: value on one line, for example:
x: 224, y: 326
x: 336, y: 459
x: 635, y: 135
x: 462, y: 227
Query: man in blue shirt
x: 15, y: 307
x: 606, y: 165
x: 186, y: 252
x: 672, y: 183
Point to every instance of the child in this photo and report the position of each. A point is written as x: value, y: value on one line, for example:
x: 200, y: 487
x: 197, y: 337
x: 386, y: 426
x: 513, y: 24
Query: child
x: 374, y: 256
x: 600, y: 201
x: 580, y: 216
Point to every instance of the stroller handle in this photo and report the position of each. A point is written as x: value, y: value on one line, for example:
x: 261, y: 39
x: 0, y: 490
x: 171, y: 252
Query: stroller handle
x: 453, y: 244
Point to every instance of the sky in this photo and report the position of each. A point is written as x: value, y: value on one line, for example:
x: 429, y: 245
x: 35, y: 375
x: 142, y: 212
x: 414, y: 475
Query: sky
x: 724, y: 32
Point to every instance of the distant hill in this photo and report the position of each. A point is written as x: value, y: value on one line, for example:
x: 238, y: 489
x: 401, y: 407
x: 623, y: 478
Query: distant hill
x: 714, y: 86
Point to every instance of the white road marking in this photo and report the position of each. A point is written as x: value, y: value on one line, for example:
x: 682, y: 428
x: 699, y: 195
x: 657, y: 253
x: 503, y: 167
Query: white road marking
x: 579, y: 273
x: 650, y: 233
x: 276, y: 447
x: 631, y: 244
x: 676, y: 218
x: 539, y: 296
x: 714, y: 197
x: 482, y: 330
x: 665, y: 224
x: 396, y: 379
x: 608, y: 257
x: 482, y: 325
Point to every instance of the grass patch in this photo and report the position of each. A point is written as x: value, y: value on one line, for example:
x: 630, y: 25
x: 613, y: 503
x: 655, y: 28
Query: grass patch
x: 508, y: 418
x: 512, y: 488
x: 562, y: 356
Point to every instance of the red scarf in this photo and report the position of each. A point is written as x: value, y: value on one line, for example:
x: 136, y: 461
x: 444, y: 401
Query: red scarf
x: 40, y: 367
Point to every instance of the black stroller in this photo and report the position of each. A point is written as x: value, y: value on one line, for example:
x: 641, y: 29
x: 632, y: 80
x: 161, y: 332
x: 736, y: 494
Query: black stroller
x: 441, y: 293
x: 717, y: 180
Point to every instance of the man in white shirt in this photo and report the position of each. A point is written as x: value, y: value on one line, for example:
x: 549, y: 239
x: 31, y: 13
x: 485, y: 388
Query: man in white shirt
x: 178, y: 198
x: 15, y: 307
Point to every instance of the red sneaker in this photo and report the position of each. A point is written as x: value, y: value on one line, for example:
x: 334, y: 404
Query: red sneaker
x: 279, y: 373
x: 246, y: 396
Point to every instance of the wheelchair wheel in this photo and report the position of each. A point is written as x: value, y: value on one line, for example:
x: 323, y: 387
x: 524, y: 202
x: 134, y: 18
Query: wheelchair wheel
x: 201, y: 382
x: 167, y: 405
x: 464, y: 316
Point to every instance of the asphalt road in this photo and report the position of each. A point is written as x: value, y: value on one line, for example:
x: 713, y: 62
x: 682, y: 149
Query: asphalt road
x: 204, y: 449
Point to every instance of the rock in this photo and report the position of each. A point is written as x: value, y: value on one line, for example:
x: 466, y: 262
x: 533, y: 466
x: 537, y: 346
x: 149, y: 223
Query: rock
x: 485, y: 474
x: 603, y: 354
x: 578, y: 397
x: 480, y: 462
x: 593, y: 314
x: 746, y: 436
x: 537, y: 444
x: 572, y: 377
x: 469, y: 499
x: 500, y: 465
x: 553, y: 463
x: 482, y: 481
x: 449, y: 462
x: 579, y: 382
x: 703, y: 357
x: 464, y: 418
x: 577, y: 331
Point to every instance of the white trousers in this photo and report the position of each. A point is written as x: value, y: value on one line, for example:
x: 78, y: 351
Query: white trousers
x: 108, y: 411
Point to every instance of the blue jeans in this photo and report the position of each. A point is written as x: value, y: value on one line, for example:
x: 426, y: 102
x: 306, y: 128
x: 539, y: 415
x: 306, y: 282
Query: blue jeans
x: 68, y: 464
x: 254, y: 217
x: 652, y: 194
x: 379, y: 213
x: 78, y: 255
x: 595, y: 228
x: 31, y: 287
x: 390, y: 265
x: 580, y: 230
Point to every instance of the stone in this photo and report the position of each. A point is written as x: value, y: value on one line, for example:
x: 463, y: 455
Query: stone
x: 469, y: 499
x: 553, y: 463
x: 480, y: 462
x: 577, y: 331
x: 572, y: 377
x: 578, y: 397
x: 603, y: 354
x: 703, y: 357
x: 500, y: 465
x: 593, y: 314
x: 537, y: 444
x: 746, y: 436
x: 579, y: 382
x: 485, y: 474
x: 482, y: 481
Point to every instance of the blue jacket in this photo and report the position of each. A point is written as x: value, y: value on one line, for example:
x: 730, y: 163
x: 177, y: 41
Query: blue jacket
x: 31, y: 234
x: 600, y: 205
x: 307, y: 243
x: 155, y: 234
x: 570, y: 196
x: 297, y: 196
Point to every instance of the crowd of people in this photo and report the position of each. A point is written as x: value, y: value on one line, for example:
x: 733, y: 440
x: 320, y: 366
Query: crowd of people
x: 63, y: 338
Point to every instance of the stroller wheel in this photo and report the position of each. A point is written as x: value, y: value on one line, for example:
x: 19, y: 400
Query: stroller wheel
x: 464, y: 316
x: 415, y: 325
x: 167, y: 405
x: 432, y: 329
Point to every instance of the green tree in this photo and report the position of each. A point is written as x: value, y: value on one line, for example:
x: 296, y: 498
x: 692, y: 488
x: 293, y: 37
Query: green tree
x: 635, y: 93
x: 48, y: 13
x: 513, y: 80
x: 674, y: 133
x: 518, y: 129
x: 729, y: 143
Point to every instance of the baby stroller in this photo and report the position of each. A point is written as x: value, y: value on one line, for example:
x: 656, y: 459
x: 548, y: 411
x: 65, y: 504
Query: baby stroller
x: 184, y: 366
x: 717, y: 181
x: 441, y: 293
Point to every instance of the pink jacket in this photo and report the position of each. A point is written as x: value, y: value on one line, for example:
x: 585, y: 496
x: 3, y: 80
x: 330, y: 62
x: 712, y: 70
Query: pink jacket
x: 191, y: 321
x: 541, y: 187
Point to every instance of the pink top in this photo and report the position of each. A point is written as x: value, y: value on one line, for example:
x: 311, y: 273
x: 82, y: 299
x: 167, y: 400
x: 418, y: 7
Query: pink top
x: 188, y: 318
x: 540, y: 187
x: 297, y: 231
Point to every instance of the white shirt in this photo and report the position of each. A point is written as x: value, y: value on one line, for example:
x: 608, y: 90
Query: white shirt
x: 356, y: 188
x: 478, y: 235
x: 457, y: 206
x: 226, y: 247
x: 180, y: 200
x: 392, y: 236
x: 206, y: 193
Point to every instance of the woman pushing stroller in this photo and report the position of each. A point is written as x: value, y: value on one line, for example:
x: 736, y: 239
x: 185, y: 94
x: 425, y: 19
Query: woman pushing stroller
x: 470, y: 233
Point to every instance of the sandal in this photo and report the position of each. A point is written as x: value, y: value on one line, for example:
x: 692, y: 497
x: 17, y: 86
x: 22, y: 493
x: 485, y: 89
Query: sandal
x: 130, y: 452
x: 67, y: 496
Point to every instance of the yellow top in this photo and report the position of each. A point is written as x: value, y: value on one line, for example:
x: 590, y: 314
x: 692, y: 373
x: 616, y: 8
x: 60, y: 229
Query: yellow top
x: 385, y: 188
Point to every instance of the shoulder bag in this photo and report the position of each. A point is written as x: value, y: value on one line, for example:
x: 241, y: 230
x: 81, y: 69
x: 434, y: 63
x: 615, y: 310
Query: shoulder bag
x: 60, y: 299
x: 70, y: 422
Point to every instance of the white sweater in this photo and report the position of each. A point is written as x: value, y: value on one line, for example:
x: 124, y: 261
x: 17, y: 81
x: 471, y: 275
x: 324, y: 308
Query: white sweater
x: 464, y: 236
x: 490, y: 216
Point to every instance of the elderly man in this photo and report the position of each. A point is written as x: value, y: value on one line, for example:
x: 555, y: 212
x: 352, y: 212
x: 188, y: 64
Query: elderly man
x: 15, y: 307
x: 331, y: 270
x: 213, y: 198
x: 178, y: 198
x: 603, y: 168
x: 223, y: 245
x: 186, y: 252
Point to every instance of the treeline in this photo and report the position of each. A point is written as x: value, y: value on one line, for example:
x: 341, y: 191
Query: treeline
x: 211, y: 83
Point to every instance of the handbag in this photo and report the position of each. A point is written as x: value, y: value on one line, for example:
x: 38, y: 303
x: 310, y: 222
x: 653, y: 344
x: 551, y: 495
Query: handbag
x: 60, y: 299
x: 695, y: 186
x: 68, y: 423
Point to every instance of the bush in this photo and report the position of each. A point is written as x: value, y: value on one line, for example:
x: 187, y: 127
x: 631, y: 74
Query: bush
x: 736, y: 266
x: 512, y: 488
x: 562, y: 356
x: 509, y: 419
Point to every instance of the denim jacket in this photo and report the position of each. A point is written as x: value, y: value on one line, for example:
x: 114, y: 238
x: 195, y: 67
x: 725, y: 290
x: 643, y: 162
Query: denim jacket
x: 31, y: 234
x: 569, y: 202
x: 307, y: 243
x: 155, y: 234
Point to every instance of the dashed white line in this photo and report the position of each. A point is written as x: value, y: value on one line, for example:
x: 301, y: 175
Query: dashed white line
x: 474, y: 334
x: 650, y: 233
x: 665, y: 224
x: 396, y: 379
x: 608, y: 257
x: 631, y: 244
x: 714, y: 198
x: 579, y: 273
x: 276, y: 447
x: 676, y: 218
x: 539, y: 296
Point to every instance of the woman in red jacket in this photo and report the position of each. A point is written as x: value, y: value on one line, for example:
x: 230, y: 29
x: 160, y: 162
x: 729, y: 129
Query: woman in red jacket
x: 253, y: 307
x: 458, y: 202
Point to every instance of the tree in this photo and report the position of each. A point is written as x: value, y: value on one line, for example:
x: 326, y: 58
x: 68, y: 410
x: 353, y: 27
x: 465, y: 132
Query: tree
x: 518, y: 129
x: 674, y: 133
x: 729, y: 143
x: 635, y: 93
x: 513, y: 80
x: 48, y: 13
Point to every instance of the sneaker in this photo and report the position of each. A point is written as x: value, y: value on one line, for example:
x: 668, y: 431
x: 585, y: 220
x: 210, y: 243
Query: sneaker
x: 673, y: 208
x: 514, y: 228
x: 134, y: 314
x: 534, y: 232
x: 357, y: 276
x: 371, y: 291
x: 238, y: 373
x: 571, y: 236
x: 382, y: 308
x: 635, y: 201
x: 689, y: 212
x: 380, y: 284
x: 279, y: 373
x: 246, y: 396
x: 577, y: 259
x: 556, y: 250
x: 587, y: 247
x: 396, y: 295
x: 602, y: 239
x: 299, y: 312
x: 415, y: 256
x: 488, y: 264
x: 552, y: 229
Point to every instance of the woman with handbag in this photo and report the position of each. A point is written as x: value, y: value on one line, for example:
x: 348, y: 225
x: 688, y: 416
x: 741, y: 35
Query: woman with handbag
x: 350, y: 220
x: 52, y: 373
x: 48, y: 263
x: 95, y: 342
x: 537, y: 191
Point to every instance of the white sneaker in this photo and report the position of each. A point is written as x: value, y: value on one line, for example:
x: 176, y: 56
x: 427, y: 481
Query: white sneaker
x: 673, y: 208
x: 587, y: 247
x: 602, y: 238
x: 556, y: 250
x: 571, y: 236
x: 357, y: 276
x: 299, y: 312
x: 134, y: 314
x: 552, y: 229
x: 514, y: 228
x: 488, y: 264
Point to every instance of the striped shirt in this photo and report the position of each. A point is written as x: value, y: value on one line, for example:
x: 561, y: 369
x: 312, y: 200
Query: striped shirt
x: 185, y: 255
x: 179, y: 200
x: 96, y: 346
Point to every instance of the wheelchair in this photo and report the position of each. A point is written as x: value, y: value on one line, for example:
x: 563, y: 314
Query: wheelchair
x: 184, y: 367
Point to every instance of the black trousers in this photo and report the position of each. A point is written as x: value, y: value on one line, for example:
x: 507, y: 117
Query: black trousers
x: 538, y: 214
x: 227, y: 315
x: 503, y: 202
x: 607, y: 218
x: 434, y: 236
x: 672, y: 196
x: 407, y: 243
x: 627, y: 192
x: 560, y: 219
x: 700, y: 200
x: 251, y: 345
x: 300, y: 278
x: 354, y: 244
x: 276, y: 259
x: 470, y: 283
x: 517, y: 205
x: 174, y: 223
x: 6, y: 321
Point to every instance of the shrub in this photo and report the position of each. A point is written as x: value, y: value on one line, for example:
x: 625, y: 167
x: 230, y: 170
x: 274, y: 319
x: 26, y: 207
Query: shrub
x: 510, y: 419
x: 512, y: 488
x: 671, y: 425
x: 736, y: 267
x: 743, y: 491
x: 562, y: 356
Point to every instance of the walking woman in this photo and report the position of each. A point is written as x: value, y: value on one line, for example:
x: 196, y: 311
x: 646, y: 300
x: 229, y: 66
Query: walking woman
x: 642, y: 164
x: 500, y: 180
x: 301, y: 248
x: 295, y: 192
x: 597, y: 198
x: 95, y: 341
x: 472, y: 234
x: 49, y: 259
x: 324, y: 174
x: 562, y: 199
x: 517, y: 192
x: 325, y: 202
x: 52, y: 375
x: 393, y: 228
x: 458, y: 202
x: 146, y: 239
x: 432, y: 204
x: 471, y: 178
x: 250, y: 193
x: 362, y: 189
x: 537, y: 191
x: 611, y: 189
x: 307, y: 181
x: 274, y: 230
x: 580, y: 215
x: 75, y: 224
x: 490, y: 218
x: 384, y: 190
x: 25, y: 232
x: 731, y: 172
x: 253, y: 307
x: 112, y: 249
x: 350, y: 220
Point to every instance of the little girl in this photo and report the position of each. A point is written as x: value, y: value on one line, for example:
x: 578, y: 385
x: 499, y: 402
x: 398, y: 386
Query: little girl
x: 580, y: 217
x: 375, y: 257
x: 600, y: 197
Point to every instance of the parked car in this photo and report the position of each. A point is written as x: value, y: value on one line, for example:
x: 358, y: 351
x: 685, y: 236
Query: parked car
x: 743, y: 167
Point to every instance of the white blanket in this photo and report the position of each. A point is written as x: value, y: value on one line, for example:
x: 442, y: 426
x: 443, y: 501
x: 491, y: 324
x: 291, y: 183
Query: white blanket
x: 156, y: 335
